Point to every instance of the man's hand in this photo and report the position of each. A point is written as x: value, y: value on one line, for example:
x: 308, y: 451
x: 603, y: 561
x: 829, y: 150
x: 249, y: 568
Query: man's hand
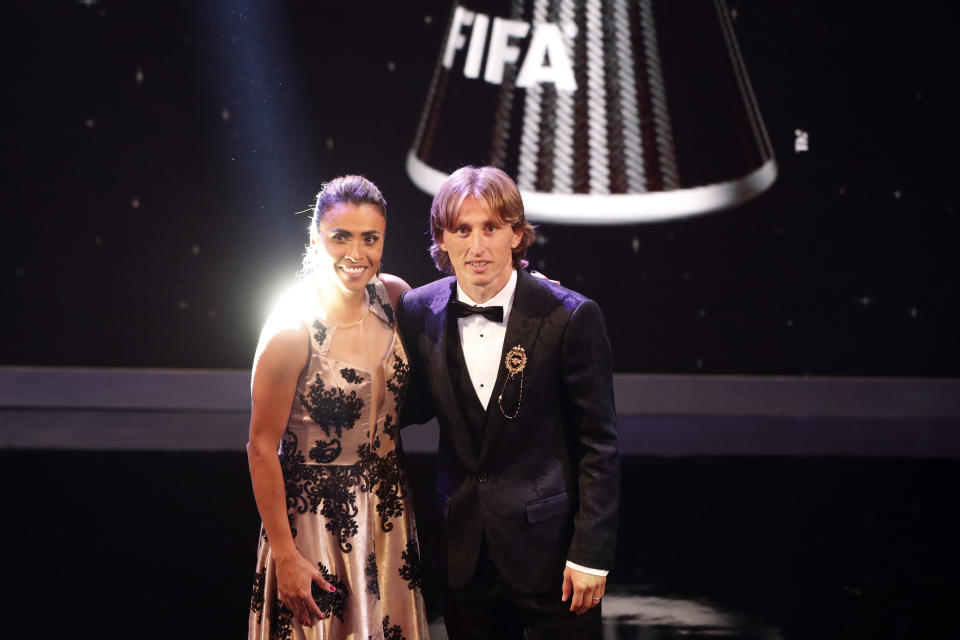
x: 584, y: 590
x: 537, y: 274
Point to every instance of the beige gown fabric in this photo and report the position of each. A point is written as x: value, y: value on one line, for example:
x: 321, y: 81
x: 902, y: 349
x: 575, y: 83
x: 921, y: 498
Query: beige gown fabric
x: 347, y: 500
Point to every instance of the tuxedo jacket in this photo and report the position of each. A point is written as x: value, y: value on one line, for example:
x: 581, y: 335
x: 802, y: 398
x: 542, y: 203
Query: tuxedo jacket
x: 542, y: 487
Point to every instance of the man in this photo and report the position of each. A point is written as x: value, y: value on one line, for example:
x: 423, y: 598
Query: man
x: 516, y: 370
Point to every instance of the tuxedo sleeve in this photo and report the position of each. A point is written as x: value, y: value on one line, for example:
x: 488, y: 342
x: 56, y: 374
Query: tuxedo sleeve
x: 417, y: 405
x: 587, y: 380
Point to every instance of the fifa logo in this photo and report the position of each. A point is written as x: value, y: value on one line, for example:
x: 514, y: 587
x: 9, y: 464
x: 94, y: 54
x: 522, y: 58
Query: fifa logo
x: 545, y: 60
x: 603, y: 111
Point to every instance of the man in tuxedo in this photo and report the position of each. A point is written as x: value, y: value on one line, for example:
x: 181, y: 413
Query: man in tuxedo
x: 516, y: 370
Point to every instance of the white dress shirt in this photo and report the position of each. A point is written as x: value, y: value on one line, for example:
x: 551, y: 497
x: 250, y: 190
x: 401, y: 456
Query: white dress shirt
x: 482, y: 339
x: 482, y: 343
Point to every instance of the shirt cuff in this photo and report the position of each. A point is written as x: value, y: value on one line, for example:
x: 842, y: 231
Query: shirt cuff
x: 593, y: 572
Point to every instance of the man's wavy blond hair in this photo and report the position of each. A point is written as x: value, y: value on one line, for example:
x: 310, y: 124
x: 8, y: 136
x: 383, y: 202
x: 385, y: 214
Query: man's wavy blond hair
x: 489, y: 186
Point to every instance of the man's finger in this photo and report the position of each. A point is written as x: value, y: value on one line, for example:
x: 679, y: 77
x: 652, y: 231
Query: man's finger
x: 577, y: 600
x: 586, y: 601
x: 567, y: 588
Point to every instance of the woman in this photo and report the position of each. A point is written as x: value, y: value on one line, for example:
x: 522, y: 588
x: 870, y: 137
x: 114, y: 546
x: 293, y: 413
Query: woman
x: 338, y: 553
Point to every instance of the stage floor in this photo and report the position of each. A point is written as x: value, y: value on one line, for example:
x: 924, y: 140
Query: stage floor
x: 162, y: 544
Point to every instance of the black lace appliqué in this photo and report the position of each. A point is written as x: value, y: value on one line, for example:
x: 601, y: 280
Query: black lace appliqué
x: 281, y: 625
x: 326, y: 451
x: 390, y: 490
x: 331, y: 603
x: 327, y: 490
x: 320, y: 331
x: 390, y: 427
x: 375, y: 298
x: 290, y: 449
x: 332, y: 409
x: 331, y: 490
x: 257, y: 599
x: 373, y: 584
x: 350, y: 375
x: 391, y: 633
x: 290, y: 460
x: 397, y: 384
x: 412, y: 571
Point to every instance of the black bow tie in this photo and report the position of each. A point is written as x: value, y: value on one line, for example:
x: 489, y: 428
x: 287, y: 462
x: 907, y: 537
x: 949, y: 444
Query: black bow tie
x: 462, y: 310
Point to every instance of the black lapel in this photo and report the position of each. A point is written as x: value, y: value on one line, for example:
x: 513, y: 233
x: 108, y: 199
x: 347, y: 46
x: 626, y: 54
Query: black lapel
x: 436, y: 329
x: 530, y: 303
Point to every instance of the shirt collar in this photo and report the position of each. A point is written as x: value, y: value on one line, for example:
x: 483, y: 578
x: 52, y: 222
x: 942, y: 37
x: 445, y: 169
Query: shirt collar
x: 503, y: 298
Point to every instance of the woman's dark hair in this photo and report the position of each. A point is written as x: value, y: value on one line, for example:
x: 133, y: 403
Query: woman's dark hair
x: 355, y: 190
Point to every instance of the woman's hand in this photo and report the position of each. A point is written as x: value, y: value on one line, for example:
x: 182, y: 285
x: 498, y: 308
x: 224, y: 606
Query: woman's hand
x: 281, y: 355
x: 295, y: 578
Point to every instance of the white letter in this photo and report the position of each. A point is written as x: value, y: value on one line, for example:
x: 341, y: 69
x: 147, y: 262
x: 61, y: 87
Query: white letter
x: 455, y: 41
x: 547, y: 43
x: 471, y: 68
x: 501, y: 51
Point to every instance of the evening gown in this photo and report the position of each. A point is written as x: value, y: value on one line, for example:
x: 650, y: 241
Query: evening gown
x: 347, y: 500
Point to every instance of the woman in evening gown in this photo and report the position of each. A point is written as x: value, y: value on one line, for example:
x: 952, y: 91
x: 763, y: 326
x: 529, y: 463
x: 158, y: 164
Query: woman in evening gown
x: 338, y: 554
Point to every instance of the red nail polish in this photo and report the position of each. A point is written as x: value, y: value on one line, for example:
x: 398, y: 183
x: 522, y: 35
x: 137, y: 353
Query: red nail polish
x: 332, y: 588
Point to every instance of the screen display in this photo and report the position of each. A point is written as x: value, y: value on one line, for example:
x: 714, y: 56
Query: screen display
x: 758, y: 188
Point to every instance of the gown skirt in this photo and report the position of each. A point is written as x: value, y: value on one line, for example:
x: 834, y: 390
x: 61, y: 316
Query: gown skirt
x: 347, y: 500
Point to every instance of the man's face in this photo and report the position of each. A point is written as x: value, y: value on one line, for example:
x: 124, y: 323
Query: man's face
x: 480, y: 247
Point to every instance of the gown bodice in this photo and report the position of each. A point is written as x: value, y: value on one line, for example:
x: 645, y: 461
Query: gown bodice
x: 348, y: 394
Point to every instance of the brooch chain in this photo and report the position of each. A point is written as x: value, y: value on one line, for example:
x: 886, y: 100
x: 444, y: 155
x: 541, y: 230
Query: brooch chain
x: 515, y: 362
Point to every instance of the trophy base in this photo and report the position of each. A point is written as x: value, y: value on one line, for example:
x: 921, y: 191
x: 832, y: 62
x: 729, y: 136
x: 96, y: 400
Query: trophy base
x: 621, y: 208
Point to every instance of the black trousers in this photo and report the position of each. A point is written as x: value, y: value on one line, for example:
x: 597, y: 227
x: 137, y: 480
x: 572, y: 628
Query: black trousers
x: 487, y: 609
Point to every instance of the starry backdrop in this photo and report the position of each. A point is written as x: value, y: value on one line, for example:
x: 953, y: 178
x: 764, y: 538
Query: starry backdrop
x: 156, y: 154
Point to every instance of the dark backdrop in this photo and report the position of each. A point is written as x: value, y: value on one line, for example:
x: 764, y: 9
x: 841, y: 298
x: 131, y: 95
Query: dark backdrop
x: 156, y: 153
